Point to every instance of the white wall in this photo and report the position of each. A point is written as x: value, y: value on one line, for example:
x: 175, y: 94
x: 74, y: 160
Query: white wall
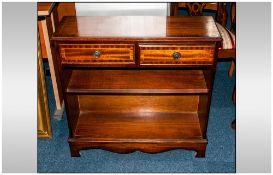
x: 122, y: 9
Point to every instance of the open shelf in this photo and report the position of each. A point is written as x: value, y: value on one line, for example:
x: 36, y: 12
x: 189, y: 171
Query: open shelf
x: 140, y: 126
x: 137, y: 81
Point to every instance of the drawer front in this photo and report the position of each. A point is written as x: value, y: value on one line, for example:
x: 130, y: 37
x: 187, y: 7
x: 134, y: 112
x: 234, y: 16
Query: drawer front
x: 176, y: 54
x: 97, y: 53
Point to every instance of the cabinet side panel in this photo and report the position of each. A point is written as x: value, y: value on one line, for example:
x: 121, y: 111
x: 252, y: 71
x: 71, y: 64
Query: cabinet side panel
x: 203, y: 113
x: 72, y: 109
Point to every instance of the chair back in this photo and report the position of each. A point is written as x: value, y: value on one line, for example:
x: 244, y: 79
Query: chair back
x: 197, y: 9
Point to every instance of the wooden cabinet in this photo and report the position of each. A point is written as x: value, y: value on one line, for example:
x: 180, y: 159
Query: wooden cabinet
x: 144, y: 83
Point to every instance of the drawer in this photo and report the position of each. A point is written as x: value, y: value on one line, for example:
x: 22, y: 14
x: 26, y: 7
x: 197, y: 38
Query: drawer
x: 176, y: 54
x: 97, y: 53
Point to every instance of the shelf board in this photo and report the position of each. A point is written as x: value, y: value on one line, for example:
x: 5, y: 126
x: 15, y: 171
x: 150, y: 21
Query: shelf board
x: 137, y: 81
x: 121, y: 126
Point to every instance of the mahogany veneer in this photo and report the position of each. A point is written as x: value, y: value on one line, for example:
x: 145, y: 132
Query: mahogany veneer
x: 162, y: 54
x: 110, y: 53
x: 137, y: 83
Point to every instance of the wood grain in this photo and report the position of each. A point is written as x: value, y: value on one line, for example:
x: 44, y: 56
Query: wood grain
x: 110, y: 53
x: 45, y: 8
x: 41, y: 35
x: 163, y: 54
x: 137, y: 81
x: 148, y: 146
x: 203, y: 110
x: 47, y: 16
x: 73, y: 111
x: 66, y: 9
x: 137, y: 97
x: 47, y: 30
x: 138, y: 103
x: 118, y: 126
x: 101, y: 28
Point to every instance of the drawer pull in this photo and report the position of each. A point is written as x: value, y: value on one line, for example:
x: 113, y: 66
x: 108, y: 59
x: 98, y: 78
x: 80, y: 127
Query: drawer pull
x: 97, y: 53
x: 176, y: 55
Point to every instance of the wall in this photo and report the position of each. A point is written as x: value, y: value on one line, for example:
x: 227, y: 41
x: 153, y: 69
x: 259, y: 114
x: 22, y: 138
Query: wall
x: 122, y: 9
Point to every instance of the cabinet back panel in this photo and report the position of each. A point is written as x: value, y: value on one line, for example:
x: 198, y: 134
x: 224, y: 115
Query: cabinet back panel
x: 138, y: 103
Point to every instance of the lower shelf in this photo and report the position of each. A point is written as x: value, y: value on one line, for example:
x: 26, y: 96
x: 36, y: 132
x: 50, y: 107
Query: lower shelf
x: 99, y: 126
x: 150, y: 132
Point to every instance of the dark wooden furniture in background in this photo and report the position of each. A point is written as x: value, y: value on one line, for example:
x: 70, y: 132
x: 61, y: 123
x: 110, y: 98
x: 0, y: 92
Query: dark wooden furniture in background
x: 49, y: 16
x: 43, y: 116
x: 227, y: 49
x: 233, y: 124
x: 197, y: 9
x: 66, y: 9
x: 233, y: 30
x: 48, y: 21
x: 45, y: 9
x: 137, y: 83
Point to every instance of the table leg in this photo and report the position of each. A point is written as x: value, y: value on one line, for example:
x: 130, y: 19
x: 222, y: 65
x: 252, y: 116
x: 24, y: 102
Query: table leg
x: 54, y: 77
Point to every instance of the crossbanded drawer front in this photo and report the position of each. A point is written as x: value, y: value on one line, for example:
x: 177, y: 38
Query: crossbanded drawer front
x: 176, y: 54
x: 97, y: 53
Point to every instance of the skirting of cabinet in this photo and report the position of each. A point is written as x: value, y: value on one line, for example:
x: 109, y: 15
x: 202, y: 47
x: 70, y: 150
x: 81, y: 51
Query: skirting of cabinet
x: 129, y: 146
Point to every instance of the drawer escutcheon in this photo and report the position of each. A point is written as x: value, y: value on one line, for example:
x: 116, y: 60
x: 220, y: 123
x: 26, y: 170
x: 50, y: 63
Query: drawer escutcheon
x: 97, y: 53
x: 176, y: 55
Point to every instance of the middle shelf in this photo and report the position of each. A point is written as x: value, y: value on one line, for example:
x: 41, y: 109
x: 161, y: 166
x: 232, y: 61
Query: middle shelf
x: 137, y: 81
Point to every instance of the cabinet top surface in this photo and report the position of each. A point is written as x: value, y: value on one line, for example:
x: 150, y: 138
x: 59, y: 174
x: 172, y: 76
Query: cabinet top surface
x: 137, y: 27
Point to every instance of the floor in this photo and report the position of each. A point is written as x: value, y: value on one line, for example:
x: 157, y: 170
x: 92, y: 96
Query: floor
x: 54, y: 154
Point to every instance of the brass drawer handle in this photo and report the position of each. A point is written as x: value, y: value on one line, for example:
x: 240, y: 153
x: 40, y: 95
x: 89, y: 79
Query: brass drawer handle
x: 97, y: 53
x: 176, y: 55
